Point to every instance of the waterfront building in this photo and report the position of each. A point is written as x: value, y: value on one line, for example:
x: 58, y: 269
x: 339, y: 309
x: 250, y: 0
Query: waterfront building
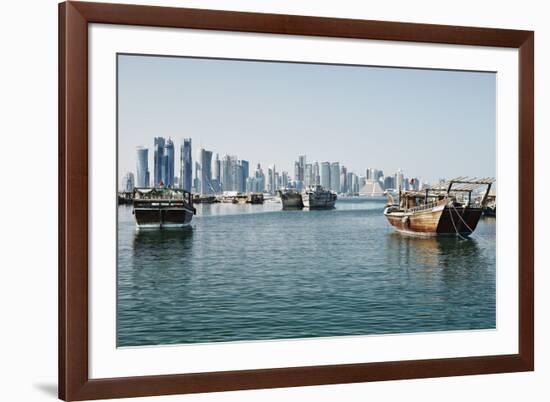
x: 349, y: 182
x: 228, y: 171
x: 284, y: 179
x: 316, y: 174
x: 142, y: 167
x: 238, y: 182
x: 168, y: 164
x: 204, y: 167
x: 398, y: 179
x: 216, y: 168
x: 414, y: 184
x: 335, y: 176
x: 270, y: 187
x: 325, y: 175
x: 251, y: 185
x: 128, y: 182
x: 372, y: 188
x: 406, y: 185
x: 373, y: 174
x: 158, y: 160
x: 259, y: 179
x: 301, y: 168
x: 216, y: 173
x: 186, y: 165
x: 196, y: 180
x: 243, y: 173
x: 343, y: 180
x: 389, y: 182
x: 276, y: 180
x: 309, y: 180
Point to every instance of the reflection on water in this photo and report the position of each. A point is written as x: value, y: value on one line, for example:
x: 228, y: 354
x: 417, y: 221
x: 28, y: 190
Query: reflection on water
x: 245, y: 272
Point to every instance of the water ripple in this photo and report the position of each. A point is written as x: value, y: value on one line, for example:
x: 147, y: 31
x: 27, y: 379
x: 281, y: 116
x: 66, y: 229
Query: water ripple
x: 256, y: 272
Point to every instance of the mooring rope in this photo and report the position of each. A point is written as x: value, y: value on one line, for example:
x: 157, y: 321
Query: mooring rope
x: 453, y: 221
x: 469, y: 228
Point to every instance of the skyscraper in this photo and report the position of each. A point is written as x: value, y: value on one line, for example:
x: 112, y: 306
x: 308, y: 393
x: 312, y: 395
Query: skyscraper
x: 238, y: 176
x: 259, y: 179
x: 186, y: 165
x: 168, y: 165
x: 216, y: 173
x: 343, y: 179
x: 205, y: 171
x: 316, y: 173
x: 228, y: 170
x: 284, y: 179
x: 389, y: 182
x: 244, y: 173
x: 128, y: 182
x: 325, y: 175
x: 350, y: 182
x: 271, y: 185
x: 142, y: 167
x: 335, y: 176
x: 196, y: 180
x: 398, y: 182
x: 309, y: 180
x: 300, y: 169
x: 158, y: 160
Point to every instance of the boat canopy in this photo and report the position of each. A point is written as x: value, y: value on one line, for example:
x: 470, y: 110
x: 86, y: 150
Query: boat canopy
x: 467, y: 184
x: 159, y: 192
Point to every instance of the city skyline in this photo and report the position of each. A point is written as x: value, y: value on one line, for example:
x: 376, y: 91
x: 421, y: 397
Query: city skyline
x: 230, y: 173
x: 359, y: 116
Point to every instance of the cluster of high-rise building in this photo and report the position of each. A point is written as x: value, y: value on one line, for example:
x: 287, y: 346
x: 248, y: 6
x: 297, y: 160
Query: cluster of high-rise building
x: 210, y: 175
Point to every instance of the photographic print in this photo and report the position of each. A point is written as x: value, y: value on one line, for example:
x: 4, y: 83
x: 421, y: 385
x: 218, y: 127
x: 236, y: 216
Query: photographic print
x: 268, y: 200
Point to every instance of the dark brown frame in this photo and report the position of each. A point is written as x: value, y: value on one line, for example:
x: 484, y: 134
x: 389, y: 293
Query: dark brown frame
x: 74, y: 383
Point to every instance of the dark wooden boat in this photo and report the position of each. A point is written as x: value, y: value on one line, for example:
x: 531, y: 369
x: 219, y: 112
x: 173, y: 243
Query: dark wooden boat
x: 291, y: 198
x: 161, y: 207
x: 255, y: 198
x: 446, y: 209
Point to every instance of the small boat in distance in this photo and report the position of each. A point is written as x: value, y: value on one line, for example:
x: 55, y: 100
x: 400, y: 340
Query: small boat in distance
x: 445, y: 209
x: 161, y: 207
x: 317, y: 197
x: 491, y: 205
x: 291, y: 198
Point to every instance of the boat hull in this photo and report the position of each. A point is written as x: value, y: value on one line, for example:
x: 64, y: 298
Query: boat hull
x: 158, y: 218
x: 291, y: 200
x: 324, y: 200
x: 442, y: 220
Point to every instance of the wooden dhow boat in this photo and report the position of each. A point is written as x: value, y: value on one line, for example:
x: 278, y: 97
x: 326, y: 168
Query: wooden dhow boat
x: 447, y: 209
x: 161, y: 207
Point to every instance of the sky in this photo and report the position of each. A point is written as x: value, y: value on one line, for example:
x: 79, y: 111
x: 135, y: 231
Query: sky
x: 430, y: 123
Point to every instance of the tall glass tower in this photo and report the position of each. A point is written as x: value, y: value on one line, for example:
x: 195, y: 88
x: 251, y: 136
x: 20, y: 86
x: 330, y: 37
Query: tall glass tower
x: 159, y: 160
x: 205, y: 176
x: 186, y: 165
x: 168, y: 165
x: 325, y: 175
x: 142, y: 167
x: 335, y: 176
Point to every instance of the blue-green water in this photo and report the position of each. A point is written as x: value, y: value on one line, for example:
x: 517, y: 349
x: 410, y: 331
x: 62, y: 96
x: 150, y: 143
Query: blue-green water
x: 252, y: 272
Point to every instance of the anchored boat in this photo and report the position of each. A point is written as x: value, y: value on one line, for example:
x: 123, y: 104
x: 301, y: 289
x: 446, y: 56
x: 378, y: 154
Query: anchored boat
x: 291, y: 198
x: 161, y: 207
x: 445, y: 209
x: 317, y: 197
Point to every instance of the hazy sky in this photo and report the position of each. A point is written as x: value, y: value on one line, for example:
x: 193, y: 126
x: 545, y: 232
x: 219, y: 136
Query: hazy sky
x: 429, y: 123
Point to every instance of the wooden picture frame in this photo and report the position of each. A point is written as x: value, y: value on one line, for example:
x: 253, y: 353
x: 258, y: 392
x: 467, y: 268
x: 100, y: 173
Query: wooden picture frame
x: 74, y: 381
